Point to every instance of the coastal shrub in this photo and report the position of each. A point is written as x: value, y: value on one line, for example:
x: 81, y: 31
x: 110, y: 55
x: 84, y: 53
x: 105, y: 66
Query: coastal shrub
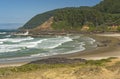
x: 101, y: 62
x: 28, y: 67
x: 114, y: 67
x: 33, y: 67
x: 118, y: 29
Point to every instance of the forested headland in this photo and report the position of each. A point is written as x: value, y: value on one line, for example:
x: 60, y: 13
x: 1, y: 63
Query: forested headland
x: 104, y: 16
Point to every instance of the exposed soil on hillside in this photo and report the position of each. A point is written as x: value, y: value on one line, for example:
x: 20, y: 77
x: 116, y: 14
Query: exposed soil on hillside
x: 44, y: 27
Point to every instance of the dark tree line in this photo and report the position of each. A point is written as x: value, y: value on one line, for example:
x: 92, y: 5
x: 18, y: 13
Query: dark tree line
x: 75, y: 17
x: 106, y: 13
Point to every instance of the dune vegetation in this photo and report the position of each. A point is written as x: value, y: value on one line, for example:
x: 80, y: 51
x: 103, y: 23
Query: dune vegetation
x: 90, y: 69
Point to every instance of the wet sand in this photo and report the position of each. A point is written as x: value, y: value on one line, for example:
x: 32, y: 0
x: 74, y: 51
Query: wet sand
x: 110, y: 48
x: 12, y: 64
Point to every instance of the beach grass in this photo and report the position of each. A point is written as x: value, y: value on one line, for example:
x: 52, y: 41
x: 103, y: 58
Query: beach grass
x: 34, y: 67
x: 91, y: 69
x: 88, y: 67
x: 101, y: 62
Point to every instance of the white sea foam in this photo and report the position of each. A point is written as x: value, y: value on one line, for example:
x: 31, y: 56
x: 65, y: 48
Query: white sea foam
x: 1, y: 42
x: 76, y: 37
x: 32, y: 44
x: 16, y: 47
x: 49, y: 43
x: 39, y: 55
x: 8, y: 36
x: 89, y: 40
x: 2, y: 33
x: 8, y: 48
x: 15, y: 58
x: 54, y: 42
x: 53, y: 46
x: 77, y: 49
x: 14, y: 40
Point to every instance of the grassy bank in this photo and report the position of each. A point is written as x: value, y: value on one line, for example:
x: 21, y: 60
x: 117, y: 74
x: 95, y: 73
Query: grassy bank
x: 72, y: 68
x: 90, y: 69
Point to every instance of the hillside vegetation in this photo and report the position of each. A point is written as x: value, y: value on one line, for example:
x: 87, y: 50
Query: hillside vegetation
x: 98, y: 17
x: 38, y: 20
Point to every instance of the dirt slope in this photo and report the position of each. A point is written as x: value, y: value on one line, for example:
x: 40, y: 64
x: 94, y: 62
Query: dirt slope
x: 45, y: 26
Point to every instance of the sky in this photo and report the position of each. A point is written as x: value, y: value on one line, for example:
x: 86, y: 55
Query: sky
x: 20, y: 11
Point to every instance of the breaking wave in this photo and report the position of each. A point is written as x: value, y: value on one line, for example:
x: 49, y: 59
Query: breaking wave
x: 28, y: 47
x: 15, y: 39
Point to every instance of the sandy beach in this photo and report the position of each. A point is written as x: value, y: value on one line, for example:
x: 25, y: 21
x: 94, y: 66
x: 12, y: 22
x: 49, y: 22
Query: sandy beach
x: 110, y: 49
x: 12, y: 64
x: 72, y: 66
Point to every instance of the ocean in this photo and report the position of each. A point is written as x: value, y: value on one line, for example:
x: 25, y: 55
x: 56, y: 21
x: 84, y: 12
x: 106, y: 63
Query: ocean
x: 27, y: 48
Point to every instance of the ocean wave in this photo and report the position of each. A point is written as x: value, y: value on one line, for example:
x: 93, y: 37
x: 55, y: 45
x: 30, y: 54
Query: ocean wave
x: 89, y: 40
x: 76, y: 37
x: 2, y: 33
x: 32, y: 44
x: 1, y: 42
x: 8, y: 36
x: 77, y: 49
x: 14, y: 59
x: 17, y: 47
x: 48, y: 46
x: 48, y: 43
x: 54, y: 42
x: 8, y: 48
x: 15, y: 40
x: 39, y: 55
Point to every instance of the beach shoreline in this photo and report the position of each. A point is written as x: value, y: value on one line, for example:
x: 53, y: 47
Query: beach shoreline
x: 110, y: 49
x: 12, y: 64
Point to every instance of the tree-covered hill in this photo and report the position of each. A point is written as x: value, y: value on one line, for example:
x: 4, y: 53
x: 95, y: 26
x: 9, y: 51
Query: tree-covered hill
x: 38, y: 20
x: 71, y: 18
x: 109, y: 6
x: 106, y: 13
